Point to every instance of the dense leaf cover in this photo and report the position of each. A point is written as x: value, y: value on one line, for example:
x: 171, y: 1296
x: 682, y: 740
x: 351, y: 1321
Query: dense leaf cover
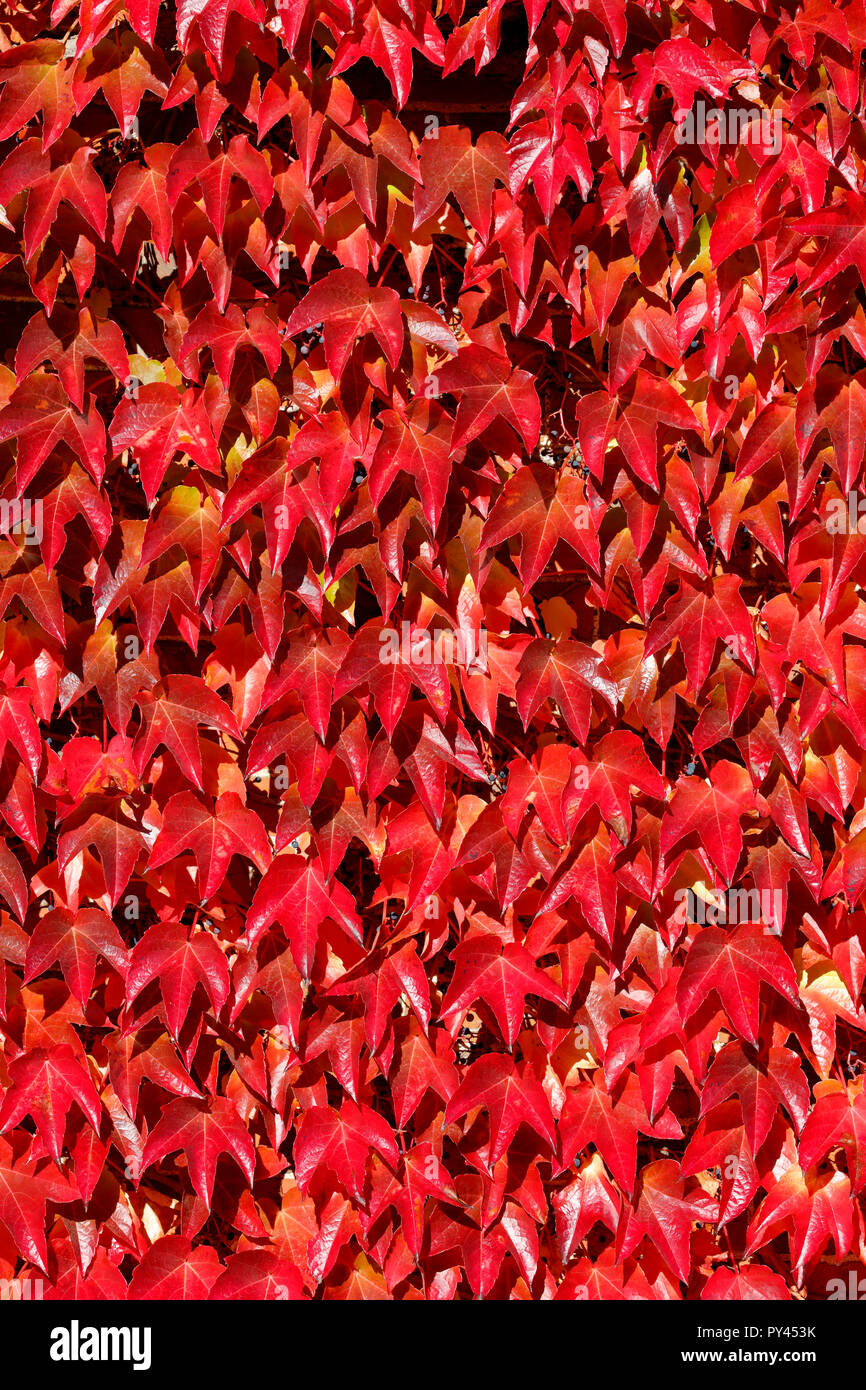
x: 432, y: 698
